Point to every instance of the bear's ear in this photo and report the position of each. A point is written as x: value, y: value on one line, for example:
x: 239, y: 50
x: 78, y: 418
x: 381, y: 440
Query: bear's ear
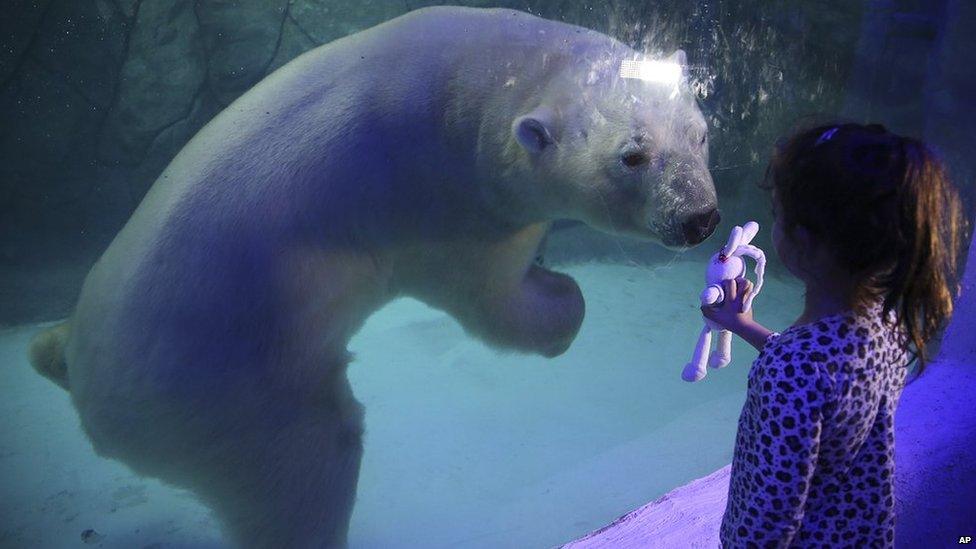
x: 680, y: 58
x: 533, y: 130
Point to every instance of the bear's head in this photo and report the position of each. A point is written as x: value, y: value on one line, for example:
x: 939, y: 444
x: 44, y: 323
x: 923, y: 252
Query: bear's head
x: 559, y: 131
x: 623, y: 154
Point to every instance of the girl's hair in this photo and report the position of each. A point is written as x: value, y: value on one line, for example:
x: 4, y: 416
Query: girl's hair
x: 884, y: 206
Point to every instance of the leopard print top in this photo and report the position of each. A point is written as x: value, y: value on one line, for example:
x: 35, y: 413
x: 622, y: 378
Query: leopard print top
x: 813, y: 463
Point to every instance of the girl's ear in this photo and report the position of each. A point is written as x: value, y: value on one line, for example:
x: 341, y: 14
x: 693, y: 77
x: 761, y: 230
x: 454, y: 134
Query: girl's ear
x: 807, y: 247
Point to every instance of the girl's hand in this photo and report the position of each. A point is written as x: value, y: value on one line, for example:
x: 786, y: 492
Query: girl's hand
x: 728, y: 313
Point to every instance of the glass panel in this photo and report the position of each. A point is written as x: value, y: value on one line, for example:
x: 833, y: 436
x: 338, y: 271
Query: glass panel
x: 466, y: 444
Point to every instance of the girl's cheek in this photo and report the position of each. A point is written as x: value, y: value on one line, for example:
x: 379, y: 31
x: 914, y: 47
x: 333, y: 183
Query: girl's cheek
x: 777, y: 237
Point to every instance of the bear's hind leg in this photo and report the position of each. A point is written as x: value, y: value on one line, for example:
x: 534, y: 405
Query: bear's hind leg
x: 291, y: 480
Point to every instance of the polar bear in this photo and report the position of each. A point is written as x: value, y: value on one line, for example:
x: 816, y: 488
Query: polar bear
x: 424, y: 157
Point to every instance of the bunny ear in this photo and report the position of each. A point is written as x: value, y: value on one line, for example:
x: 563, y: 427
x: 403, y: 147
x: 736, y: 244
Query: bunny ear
x: 734, y: 238
x: 749, y: 231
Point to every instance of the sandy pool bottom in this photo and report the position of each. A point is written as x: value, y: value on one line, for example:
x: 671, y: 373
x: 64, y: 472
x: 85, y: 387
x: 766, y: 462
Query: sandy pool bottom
x: 465, y: 446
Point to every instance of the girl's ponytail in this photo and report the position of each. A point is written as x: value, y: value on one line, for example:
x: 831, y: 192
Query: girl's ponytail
x: 924, y: 282
x: 885, y: 207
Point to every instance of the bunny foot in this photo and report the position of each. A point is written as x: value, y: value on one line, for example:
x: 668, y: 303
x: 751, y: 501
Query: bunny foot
x: 718, y: 360
x: 693, y: 372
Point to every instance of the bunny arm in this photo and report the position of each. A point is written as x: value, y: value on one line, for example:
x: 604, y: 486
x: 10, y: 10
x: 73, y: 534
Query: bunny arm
x: 712, y: 294
x: 755, y: 253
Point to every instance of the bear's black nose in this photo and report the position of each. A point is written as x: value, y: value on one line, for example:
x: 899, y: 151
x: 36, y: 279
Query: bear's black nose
x: 699, y: 226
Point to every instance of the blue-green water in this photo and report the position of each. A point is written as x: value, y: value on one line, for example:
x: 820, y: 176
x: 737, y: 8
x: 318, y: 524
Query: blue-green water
x: 465, y: 446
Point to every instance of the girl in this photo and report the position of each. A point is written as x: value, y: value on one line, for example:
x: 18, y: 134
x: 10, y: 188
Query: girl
x: 869, y: 222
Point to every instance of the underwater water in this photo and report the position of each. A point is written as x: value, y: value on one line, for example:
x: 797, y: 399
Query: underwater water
x: 465, y: 445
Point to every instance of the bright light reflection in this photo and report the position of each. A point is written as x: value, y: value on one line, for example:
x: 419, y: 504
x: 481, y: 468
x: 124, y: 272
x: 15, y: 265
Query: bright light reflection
x: 662, y: 72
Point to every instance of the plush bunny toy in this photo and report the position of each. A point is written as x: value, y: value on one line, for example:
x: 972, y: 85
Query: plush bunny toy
x: 725, y: 265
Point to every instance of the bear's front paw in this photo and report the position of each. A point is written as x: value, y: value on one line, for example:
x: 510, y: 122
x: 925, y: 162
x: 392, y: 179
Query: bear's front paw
x: 542, y: 315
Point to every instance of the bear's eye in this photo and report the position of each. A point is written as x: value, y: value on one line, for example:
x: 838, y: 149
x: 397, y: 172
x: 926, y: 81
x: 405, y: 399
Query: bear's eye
x: 634, y: 159
x: 704, y: 138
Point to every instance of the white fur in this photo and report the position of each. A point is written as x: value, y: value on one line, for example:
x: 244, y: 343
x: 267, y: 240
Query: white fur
x: 726, y: 264
x: 208, y: 347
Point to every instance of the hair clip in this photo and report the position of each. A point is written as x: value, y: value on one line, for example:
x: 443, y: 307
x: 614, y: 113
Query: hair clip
x: 826, y: 136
